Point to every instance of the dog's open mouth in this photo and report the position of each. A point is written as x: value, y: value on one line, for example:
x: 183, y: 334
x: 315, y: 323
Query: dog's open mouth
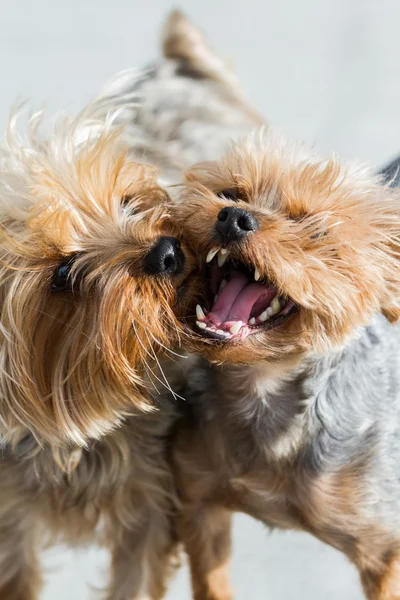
x: 239, y: 304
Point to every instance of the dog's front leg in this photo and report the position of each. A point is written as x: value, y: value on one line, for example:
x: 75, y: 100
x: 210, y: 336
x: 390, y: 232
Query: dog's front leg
x: 20, y: 577
x: 205, y: 531
x: 385, y: 583
x: 204, y: 524
x: 143, y: 558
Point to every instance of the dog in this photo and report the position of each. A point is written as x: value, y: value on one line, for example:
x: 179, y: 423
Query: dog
x: 93, y: 274
x: 95, y: 280
x: 293, y: 406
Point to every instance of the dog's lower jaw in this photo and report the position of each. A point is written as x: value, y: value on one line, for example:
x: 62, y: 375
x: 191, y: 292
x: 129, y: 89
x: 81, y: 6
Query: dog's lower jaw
x: 312, y: 448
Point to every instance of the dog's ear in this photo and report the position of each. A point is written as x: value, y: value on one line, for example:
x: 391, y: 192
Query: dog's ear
x: 390, y: 305
x: 392, y: 313
x: 387, y: 216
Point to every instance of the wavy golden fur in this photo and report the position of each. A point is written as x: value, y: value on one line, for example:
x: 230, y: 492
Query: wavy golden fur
x: 74, y: 361
x: 82, y: 442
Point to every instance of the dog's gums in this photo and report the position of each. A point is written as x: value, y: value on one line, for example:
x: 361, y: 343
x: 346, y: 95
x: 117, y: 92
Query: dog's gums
x: 240, y: 302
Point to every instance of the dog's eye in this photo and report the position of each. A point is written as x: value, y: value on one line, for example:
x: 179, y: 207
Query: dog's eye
x: 320, y: 234
x: 127, y: 205
x: 61, y: 281
x: 229, y: 194
x: 302, y: 218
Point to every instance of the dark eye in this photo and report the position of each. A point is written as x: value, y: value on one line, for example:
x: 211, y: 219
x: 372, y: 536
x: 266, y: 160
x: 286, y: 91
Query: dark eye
x: 61, y: 281
x: 127, y: 205
x: 320, y: 234
x: 229, y: 194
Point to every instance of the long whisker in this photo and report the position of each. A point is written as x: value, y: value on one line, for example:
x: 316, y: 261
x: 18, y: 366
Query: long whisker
x: 168, y: 349
x: 149, y: 370
x: 167, y: 384
x: 153, y: 357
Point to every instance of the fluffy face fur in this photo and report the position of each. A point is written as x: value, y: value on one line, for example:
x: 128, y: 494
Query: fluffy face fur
x: 325, y: 243
x: 81, y: 316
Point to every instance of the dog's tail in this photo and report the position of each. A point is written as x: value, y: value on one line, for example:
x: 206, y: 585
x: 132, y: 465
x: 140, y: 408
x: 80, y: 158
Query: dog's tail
x: 184, y: 43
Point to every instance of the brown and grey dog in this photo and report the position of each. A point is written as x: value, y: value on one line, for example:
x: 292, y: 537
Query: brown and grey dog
x: 296, y: 421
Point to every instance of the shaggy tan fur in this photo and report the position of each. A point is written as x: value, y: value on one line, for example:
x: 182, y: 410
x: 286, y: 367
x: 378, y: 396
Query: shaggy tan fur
x: 83, y: 443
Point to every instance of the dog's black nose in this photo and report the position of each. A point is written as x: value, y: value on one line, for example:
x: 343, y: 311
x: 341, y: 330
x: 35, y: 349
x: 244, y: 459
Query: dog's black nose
x: 235, y: 223
x: 165, y: 257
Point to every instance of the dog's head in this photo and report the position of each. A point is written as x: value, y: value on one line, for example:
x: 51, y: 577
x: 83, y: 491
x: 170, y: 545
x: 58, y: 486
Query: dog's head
x: 93, y: 275
x: 297, y: 252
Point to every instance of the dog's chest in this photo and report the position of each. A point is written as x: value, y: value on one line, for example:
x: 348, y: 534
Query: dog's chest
x: 75, y: 492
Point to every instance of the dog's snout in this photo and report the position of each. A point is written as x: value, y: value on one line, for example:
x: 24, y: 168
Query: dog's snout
x: 165, y: 257
x: 235, y: 223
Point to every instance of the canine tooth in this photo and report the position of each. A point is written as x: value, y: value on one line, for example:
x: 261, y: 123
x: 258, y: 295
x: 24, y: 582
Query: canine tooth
x: 269, y: 311
x: 224, y: 250
x: 275, y: 305
x: 223, y: 284
x: 252, y: 321
x: 220, y: 332
x: 201, y: 325
x: 264, y: 316
x: 211, y: 254
x: 200, y: 313
x: 235, y: 328
x: 257, y: 275
x: 222, y: 258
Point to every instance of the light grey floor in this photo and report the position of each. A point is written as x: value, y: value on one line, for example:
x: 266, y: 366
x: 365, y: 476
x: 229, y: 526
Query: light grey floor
x: 327, y: 71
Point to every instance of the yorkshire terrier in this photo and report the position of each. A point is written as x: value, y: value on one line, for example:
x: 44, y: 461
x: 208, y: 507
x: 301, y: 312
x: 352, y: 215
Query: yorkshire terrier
x: 93, y: 274
x: 294, y: 417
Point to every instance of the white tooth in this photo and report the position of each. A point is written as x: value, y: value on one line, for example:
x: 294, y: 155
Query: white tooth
x: 221, y: 259
x: 223, y: 284
x: 200, y: 313
x: 235, y: 328
x: 257, y: 275
x: 275, y: 305
x: 270, y: 312
x: 201, y: 325
x: 264, y: 316
x: 252, y: 321
x: 211, y: 254
x: 224, y: 250
x: 220, y: 332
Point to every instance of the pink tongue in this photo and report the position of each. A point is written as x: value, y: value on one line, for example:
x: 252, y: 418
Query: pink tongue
x: 242, y: 307
x: 220, y: 310
x: 237, y: 299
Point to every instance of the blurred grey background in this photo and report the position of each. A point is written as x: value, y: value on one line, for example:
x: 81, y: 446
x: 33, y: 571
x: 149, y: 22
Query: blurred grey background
x: 327, y: 71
